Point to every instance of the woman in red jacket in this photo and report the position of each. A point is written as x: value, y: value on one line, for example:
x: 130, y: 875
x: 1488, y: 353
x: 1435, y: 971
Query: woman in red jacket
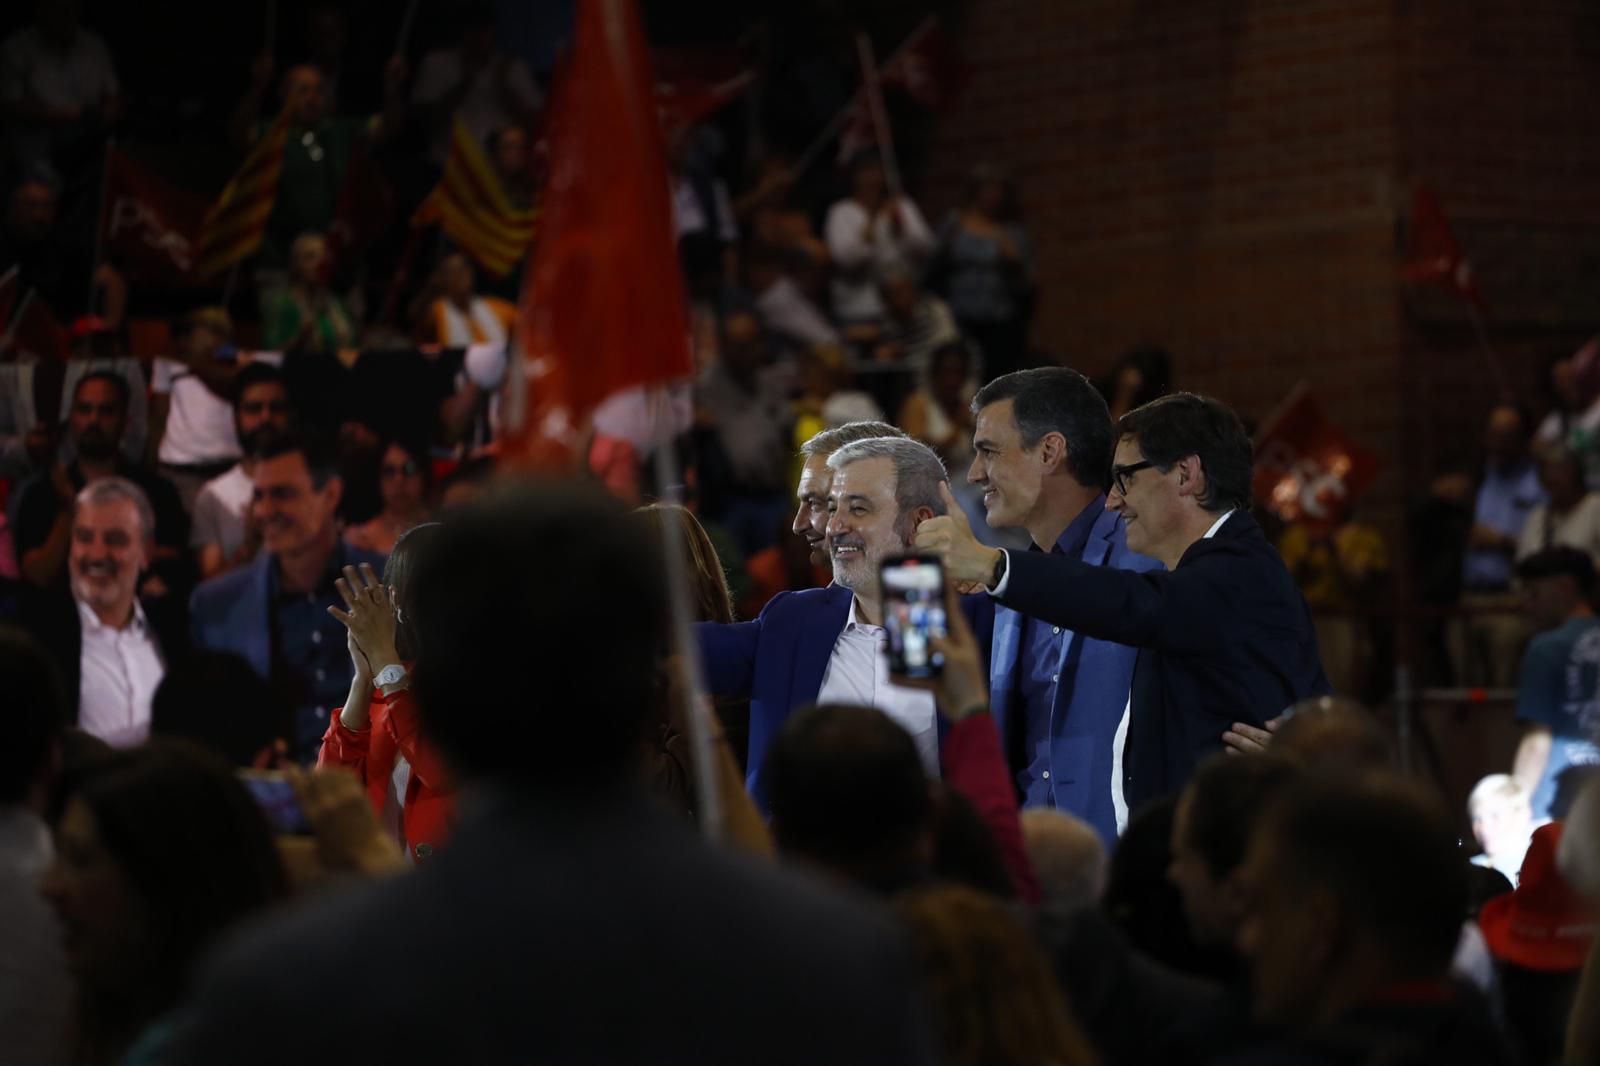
x: 377, y: 732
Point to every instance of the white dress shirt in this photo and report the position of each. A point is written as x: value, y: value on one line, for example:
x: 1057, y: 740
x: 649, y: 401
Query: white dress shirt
x: 119, y: 672
x: 858, y: 673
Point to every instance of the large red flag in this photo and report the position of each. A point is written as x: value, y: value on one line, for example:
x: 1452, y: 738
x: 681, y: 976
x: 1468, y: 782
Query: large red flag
x: 152, y: 228
x: 602, y: 306
x: 1433, y: 256
x: 1306, y: 468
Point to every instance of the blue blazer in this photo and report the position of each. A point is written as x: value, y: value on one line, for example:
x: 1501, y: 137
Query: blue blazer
x: 229, y: 612
x: 1224, y: 637
x: 1095, y: 678
x: 778, y: 661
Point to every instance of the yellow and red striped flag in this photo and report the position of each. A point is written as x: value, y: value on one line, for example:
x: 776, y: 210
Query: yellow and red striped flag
x: 235, y: 224
x: 472, y: 207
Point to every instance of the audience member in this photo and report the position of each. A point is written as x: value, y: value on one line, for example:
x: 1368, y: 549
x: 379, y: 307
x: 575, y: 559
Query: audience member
x: 216, y: 700
x: 1224, y: 636
x: 744, y: 405
x: 939, y: 413
x: 701, y: 206
x: 1354, y: 892
x: 377, y: 733
x: 111, y: 648
x: 191, y: 424
x: 453, y: 316
x: 827, y: 396
x: 305, y: 315
x: 1502, y: 824
x: 826, y: 645
x: 815, y: 477
x: 1539, y: 935
x: 779, y: 222
x: 1138, y: 377
x: 404, y: 479
x: 1574, y: 423
x: 786, y: 566
x: 35, y: 987
x: 1560, y: 676
x: 473, y: 81
x: 916, y: 324
x: 44, y: 502
x: 1067, y: 856
x: 788, y: 309
x: 560, y: 850
x: 1492, y: 634
x: 990, y: 989
x: 160, y: 851
x: 316, y: 153
x: 58, y: 86
x: 1328, y: 732
x: 1339, y: 569
x: 867, y: 231
x: 1570, y: 513
x: 510, y: 156
x: 48, y: 263
x: 274, y: 612
x: 224, y: 537
x: 987, y: 267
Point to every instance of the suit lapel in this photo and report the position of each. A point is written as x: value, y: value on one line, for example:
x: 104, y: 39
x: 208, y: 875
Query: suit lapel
x: 1095, y: 553
x: 258, y: 640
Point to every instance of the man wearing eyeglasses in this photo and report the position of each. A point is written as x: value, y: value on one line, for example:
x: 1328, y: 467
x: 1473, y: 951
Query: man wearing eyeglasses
x: 1223, y: 635
x: 223, y: 536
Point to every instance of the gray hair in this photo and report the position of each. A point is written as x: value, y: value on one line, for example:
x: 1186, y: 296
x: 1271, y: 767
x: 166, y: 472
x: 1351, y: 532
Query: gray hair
x: 1067, y: 856
x: 110, y: 490
x: 918, y: 470
x: 828, y: 441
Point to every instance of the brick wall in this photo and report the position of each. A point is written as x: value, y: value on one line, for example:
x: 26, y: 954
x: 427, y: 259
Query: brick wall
x: 1228, y: 178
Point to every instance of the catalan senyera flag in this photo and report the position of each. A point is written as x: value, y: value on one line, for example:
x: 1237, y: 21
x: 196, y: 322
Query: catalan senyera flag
x: 235, y: 224
x: 473, y: 209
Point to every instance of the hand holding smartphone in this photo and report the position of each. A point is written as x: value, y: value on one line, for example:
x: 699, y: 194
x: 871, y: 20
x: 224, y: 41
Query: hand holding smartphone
x: 275, y: 794
x: 914, y: 614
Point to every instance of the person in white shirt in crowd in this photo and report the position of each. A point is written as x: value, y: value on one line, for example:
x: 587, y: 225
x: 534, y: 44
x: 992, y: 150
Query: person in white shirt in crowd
x: 191, y: 410
x: 223, y: 536
x: 110, y: 647
x: 451, y: 313
x: 1575, y: 421
x: 1569, y: 517
x: 486, y: 87
x: 866, y: 232
x: 57, y: 82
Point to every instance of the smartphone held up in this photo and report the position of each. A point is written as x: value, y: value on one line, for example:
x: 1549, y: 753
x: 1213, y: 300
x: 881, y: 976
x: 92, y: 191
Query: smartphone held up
x: 913, y: 614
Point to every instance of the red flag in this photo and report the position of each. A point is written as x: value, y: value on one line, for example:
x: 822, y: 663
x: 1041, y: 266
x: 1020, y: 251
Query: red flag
x: 35, y: 330
x: 924, y: 67
x: 602, y: 306
x: 689, y: 101
x: 360, y: 214
x: 151, y: 226
x: 1306, y: 468
x: 1433, y: 257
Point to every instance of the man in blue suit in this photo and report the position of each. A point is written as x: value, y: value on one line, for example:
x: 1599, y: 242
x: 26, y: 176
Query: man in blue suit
x: 1223, y: 634
x: 826, y: 645
x: 1042, y: 450
x: 274, y: 612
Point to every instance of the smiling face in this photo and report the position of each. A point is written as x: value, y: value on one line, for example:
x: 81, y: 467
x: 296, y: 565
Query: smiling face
x: 294, y: 514
x: 100, y: 912
x: 1149, y: 507
x: 107, y: 555
x: 1011, y: 476
x: 811, y: 517
x: 864, y: 526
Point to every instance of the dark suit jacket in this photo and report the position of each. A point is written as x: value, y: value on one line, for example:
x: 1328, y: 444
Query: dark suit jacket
x: 51, y: 615
x: 1225, y: 637
x: 574, y: 929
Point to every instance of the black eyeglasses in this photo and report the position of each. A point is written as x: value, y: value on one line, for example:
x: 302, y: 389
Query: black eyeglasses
x: 1121, y: 474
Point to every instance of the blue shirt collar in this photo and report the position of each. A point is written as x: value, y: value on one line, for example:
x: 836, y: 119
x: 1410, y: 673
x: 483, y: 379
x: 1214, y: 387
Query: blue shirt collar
x: 1072, y: 542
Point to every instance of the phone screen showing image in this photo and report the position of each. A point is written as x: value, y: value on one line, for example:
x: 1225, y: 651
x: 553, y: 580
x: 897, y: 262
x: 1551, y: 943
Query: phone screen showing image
x: 913, y: 614
x: 275, y: 796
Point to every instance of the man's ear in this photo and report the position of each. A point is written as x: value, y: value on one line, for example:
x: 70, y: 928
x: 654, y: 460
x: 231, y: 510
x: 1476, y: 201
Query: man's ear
x: 335, y: 490
x: 1191, y: 476
x: 1053, y: 452
x: 918, y: 516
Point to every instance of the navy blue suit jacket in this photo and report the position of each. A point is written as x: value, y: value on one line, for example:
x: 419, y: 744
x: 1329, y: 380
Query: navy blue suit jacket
x: 1096, y: 676
x: 778, y: 661
x: 1224, y: 637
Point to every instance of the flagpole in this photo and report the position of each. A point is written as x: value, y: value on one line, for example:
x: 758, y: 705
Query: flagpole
x: 1481, y: 330
x: 227, y: 286
x: 821, y: 140
x: 100, y: 223
x: 880, y: 116
x: 11, y: 327
x: 708, y: 799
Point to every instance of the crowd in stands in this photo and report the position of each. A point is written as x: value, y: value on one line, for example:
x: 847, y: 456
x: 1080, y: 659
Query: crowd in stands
x: 309, y: 716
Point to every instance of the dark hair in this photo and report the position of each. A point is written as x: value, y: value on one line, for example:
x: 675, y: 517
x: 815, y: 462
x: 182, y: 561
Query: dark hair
x: 989, y: 174
x: 477, y: 471
x: 1053, y: 399
x: 1387, y: 850
x: 848, y: 789
x: 417, y: 451
x: 1333, y: 732
x: 1559, y: 561
x: 527, y: 669
x: 1226, y: 798
x: 397, y: 570
x: 33, y: 715
x: 253, y: 374
x: 314, y: 447
x: 110, y: 377
x: 188, y: 699
x: 964, y: 849
x: 1172, y: 428
x: 191, y: 842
